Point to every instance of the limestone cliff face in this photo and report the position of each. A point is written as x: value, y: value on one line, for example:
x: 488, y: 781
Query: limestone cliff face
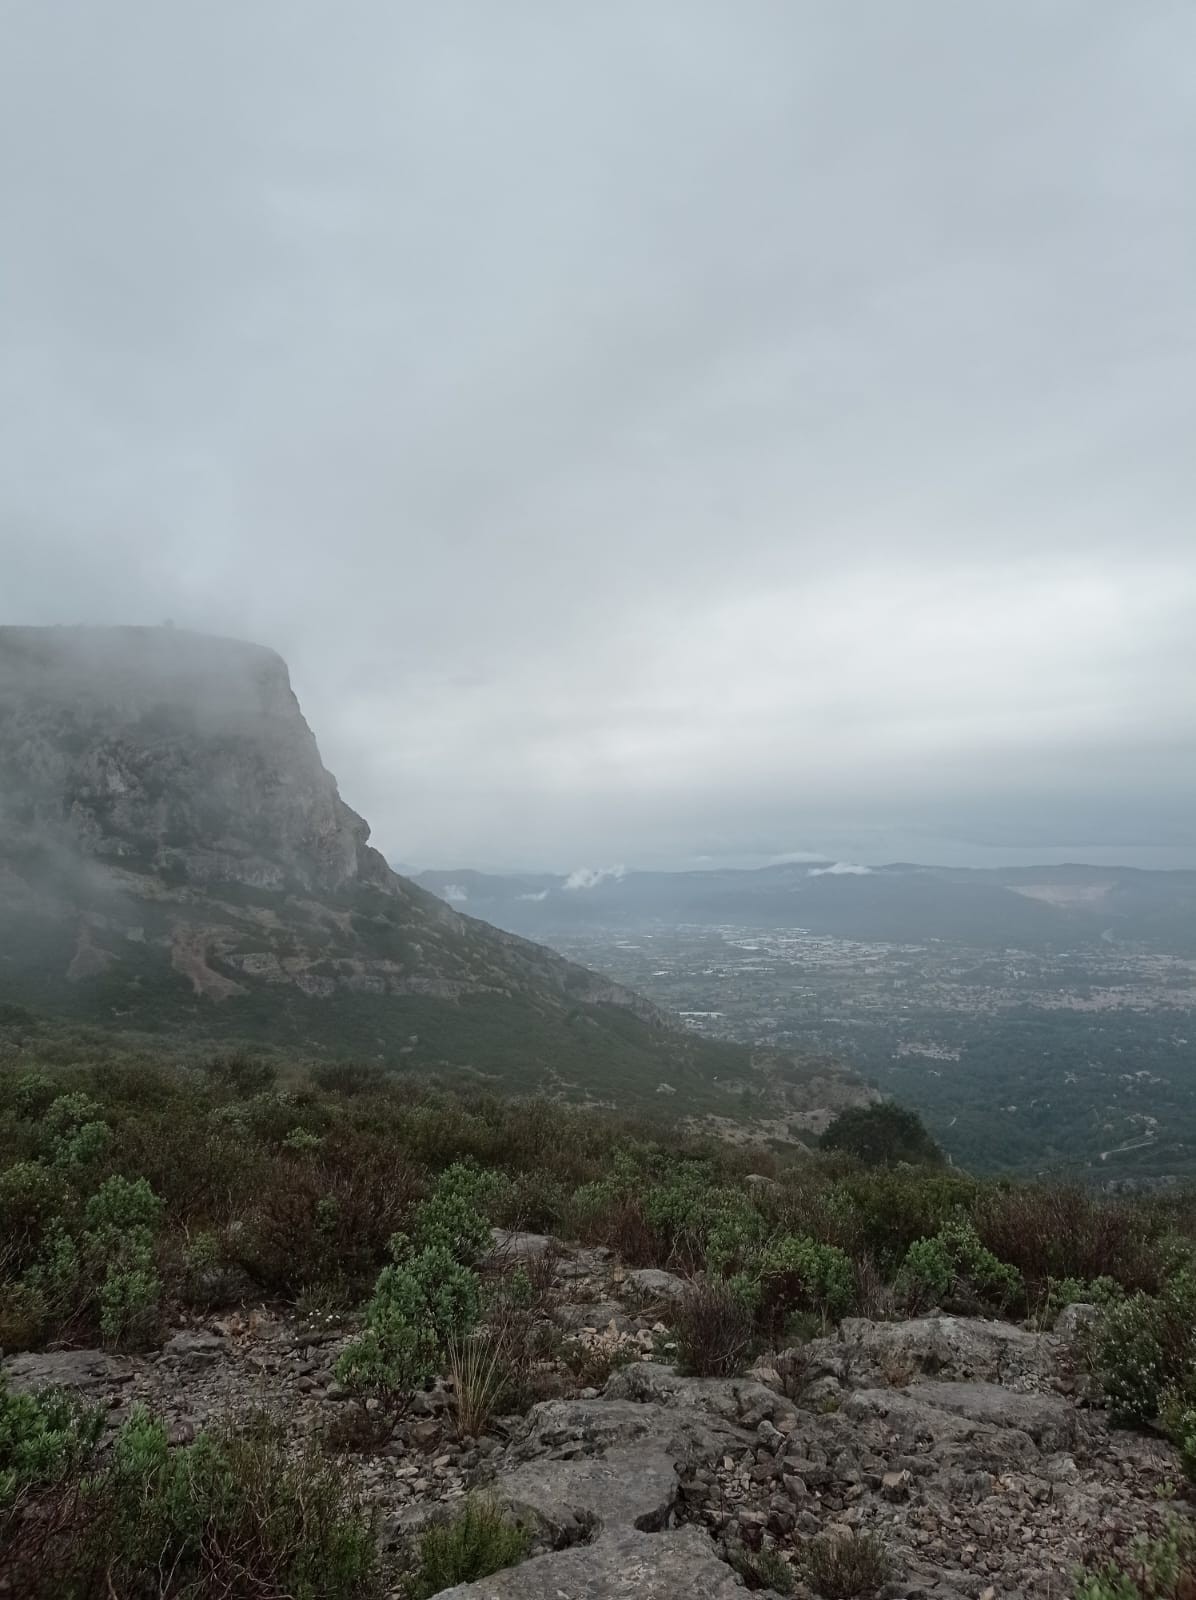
x: 170, y: 750
x: 168, y: 828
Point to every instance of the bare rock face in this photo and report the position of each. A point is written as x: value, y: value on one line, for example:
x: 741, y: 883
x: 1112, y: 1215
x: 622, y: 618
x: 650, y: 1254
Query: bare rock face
x: 136, y: 745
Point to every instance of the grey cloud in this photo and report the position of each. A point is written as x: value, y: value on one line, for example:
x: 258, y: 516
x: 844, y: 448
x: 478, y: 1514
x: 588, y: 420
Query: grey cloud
x: 647, y: 431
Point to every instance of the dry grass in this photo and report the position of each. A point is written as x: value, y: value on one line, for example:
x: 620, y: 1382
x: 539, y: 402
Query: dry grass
x: 843, y: 1566
x: 714, y: 1331
x: 480, y: 1373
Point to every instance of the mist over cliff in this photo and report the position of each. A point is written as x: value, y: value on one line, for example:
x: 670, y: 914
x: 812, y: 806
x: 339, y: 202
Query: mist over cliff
x: 175, y: 856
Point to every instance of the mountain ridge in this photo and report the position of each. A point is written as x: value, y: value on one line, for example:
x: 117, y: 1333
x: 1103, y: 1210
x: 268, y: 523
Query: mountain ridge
x: 900, y: 901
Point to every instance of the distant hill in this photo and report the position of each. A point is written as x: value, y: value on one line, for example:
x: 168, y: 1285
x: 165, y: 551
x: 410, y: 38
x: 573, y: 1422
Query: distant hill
x: 1026, y: 907
x: 174, y: 857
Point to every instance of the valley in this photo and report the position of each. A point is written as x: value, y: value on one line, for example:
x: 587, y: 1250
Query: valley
x: 1081, y: 1061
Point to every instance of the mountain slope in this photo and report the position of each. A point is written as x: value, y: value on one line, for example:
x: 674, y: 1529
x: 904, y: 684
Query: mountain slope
x: 174, y: 856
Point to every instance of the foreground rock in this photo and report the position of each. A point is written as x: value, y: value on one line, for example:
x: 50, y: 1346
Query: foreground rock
x: 981, y: 1476
x: 621, y: 1565
x: 957, y: 1442
x: 580, y: 1466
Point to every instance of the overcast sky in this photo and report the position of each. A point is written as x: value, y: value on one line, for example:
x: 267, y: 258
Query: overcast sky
x: 652, y: 430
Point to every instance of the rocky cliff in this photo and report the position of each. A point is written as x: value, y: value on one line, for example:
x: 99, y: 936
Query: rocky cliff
x: 174, y: 855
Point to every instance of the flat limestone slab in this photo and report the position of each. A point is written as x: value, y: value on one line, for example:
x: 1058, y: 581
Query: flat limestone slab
x: 1049, y: 1419
x: 632, y: 1485
x: 620, y: 1565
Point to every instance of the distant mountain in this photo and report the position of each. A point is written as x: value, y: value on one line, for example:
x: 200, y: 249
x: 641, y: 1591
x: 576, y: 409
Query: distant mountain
x: 174, y: 857
x: 902, y: 902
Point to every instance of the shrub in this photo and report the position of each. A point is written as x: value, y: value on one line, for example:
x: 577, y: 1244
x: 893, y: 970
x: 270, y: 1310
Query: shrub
x: 67, y: 1113
x: 23, y: 1315
x: 1145, y: 1345
x: 698, y: 1223
x: 349, y: 1078
x: 129, y: 1305
x: 839, y: 1566
x: 1177, y: 1410
x: 302, y: 1141
x: 30, y: 1195
x: 42, y: 1436
x: 478, y: 1541
x: 796, y: 1274
x: 122, y: 1220
x: 1061, y: 1231
x: 241, y: 1075
x: 455, y: 1217
x: 954, y: 1269
x: 55, y: 1277
x: 391, y: 1358
x: 85, y: 1146
x: 882, y: 1135
x: 714, y: 1327
x: 1151, y: 1569
x: 104, y: 1275
x: 892, y: 1207
x: 1103, y: 1292
x: 119, y: 1206
x: 231, y: 1513
x: 762, y: 1569
x: 420, y: 1302
x: 33, y: 1094
x: 326, y: 1217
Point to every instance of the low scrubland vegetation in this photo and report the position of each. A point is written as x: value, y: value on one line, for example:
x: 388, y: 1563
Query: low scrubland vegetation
x: 230, y: 1513
x: 133, y: 1191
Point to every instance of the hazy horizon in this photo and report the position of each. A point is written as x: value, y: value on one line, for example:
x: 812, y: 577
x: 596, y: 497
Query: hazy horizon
x: 1149, y: 858
x: 648, y: 433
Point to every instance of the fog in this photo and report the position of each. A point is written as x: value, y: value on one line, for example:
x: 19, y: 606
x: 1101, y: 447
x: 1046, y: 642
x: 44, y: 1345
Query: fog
x: 652, y: 434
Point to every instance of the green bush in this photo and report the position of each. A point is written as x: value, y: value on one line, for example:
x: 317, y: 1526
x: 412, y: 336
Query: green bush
x: 33, y: 1093
x: 455, y: 1217
x: 1103, y: 1292
x: 420, y: 1303
x: 122, y: 1219
x: 795, y: 1274
x: 42, y: 1437
x: 24, y: 1315
x: 31, y: 1195
x: 302, y: 1141
x: 762, y: 1569
x: 882, y: 1136
x: 1177, y: 1412
x: 1151, y: 1569
x: 893, y: 1207
x: 478, y: 1541
x: 120, y: 1206
x: 242, y: 1075
x: 69, y: 1112
x: 105, y: 1274
x: 954, y: 1269
x: 1146, y: 1345
x: 231, y: 1513
x: 56, y: 1276
x: 1055, y: 1231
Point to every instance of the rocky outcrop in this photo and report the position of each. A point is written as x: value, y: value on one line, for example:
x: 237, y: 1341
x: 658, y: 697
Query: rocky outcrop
x: 958, y: 1443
